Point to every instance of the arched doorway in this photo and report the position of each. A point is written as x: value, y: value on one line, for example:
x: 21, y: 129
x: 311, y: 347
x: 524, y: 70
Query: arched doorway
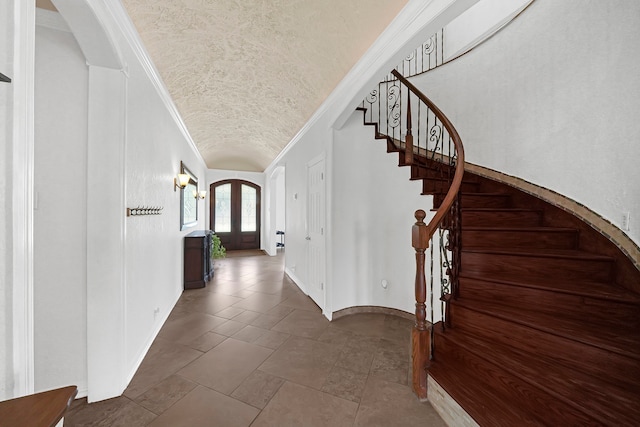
x: 235, y: 213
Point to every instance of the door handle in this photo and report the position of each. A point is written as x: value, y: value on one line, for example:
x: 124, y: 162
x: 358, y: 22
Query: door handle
x: 308, y: 238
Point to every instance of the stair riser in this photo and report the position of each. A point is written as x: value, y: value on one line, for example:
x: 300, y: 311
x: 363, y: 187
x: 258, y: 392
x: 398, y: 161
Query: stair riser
x: 519, y: 239
x: 553, y: 349
x: 500, y: 218
x: 421, y: 172
x: 508, y: 387
x: 431, y: 186
x: 513, y: 265
x: 482, y: 201
x: 568, y: 306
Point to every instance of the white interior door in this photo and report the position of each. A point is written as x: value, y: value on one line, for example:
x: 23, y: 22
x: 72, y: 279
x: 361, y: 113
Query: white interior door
x: 315, y: 230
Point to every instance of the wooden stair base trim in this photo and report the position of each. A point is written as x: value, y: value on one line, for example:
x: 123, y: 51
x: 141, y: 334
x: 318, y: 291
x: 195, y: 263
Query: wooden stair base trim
x: 598, y: 223
x: 44, y: 409
x: 420, y: 351
x: 446, y: 406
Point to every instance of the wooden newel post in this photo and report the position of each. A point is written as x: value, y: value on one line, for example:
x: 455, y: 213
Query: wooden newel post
x: 421, y: 334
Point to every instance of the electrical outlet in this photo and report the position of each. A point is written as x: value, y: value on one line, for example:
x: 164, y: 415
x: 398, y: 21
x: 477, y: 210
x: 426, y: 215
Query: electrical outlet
x: 625, y: 220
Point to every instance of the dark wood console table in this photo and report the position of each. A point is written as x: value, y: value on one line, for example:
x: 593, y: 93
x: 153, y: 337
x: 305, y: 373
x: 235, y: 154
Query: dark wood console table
x: 198, y: 266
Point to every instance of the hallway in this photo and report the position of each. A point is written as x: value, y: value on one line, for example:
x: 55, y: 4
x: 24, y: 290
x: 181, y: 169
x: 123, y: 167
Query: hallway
x: 251, y: 349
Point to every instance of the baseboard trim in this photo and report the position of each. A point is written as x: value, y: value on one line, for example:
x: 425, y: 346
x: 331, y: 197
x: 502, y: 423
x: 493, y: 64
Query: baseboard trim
x: 371, y: 309
x: 449, y: 410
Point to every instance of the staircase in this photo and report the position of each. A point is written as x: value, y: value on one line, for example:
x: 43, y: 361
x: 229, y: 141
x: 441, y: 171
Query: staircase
x: 541, y: 332
x: 542, y: 322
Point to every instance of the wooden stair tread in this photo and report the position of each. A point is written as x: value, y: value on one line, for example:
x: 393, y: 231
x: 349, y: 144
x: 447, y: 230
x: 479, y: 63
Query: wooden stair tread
x: 625, y: 342
x: 568, y: 386
x: 535, y: 229
x: 541, y: 253
x: 473, y: 395
x: 500, y: 210
x: 600, y: 290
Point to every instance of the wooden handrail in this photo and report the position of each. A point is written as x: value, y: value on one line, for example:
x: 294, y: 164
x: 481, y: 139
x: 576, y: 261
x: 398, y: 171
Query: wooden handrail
x: 44, y: 409
x: 453, y: 133
x: 421, y: 234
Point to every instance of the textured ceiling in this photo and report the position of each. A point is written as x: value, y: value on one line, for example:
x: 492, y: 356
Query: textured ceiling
x: 246, y: 75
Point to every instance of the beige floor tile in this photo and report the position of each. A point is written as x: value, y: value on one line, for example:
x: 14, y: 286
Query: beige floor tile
x: 368, y: 324
x: 355, y: 359
x: 163, y: 360
x: 206, y: 341
x: 303, y: 323
x: 266, y: 321
x: 336, y: 336
x: 229, y: 312
x: 228, y: 328
x: 391, y: 362
x: 272, y: 339
x: 247, y: 316
x: 249, y: 333
x: 258, y: 389
x: 259, y: 302
x: 280, y: 311
x: 300, y: 369
x: 296, y: 405
x: 345, y: 383
x: 206, y: 408
x: 302, y: 361
x: 386, y: 403
x: 160, y: 397
x: 227, y: 365
x: 118, y: 412
x: 206, y: 302
x: 187, y: 328
x: 301, y: 302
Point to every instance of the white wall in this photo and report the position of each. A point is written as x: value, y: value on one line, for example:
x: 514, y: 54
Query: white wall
x: 553, y: 99
x: 152, y: 144
x: 155, y: 146
x: 373, y: 206
x: 477, y: 23
x: 6, y: 94
x: 60, y: 252
x: 344, y: 285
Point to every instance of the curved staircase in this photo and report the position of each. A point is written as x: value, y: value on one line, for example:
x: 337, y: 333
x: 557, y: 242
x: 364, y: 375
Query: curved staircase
x: 542, y: 330
x: 542, y: 322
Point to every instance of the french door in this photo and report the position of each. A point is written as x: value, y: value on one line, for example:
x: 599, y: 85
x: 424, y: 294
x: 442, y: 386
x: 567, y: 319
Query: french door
x: 235, y: 213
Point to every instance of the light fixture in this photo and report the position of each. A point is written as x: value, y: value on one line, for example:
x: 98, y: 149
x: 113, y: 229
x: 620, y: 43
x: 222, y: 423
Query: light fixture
x: 202, y: 194
x: 181, y: 181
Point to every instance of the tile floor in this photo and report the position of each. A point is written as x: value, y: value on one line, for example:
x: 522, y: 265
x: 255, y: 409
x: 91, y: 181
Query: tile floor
x: 251, y: 349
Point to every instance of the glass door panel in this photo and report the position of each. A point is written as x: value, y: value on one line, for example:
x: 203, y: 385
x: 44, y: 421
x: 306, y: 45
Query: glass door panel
x: 223, y: 209
x: 248, y: 219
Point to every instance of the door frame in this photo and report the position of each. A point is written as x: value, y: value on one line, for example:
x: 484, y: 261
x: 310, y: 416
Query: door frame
x: 319, y: 296
x: 212, y: 203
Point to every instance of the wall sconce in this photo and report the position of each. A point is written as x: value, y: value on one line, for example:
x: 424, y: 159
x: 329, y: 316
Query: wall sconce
x: 202, y: 194
x: 181, y: 181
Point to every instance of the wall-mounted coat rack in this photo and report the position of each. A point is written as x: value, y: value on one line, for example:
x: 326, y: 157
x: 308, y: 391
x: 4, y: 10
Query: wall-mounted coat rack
x: 4, y: 78
x: 144, y: 210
